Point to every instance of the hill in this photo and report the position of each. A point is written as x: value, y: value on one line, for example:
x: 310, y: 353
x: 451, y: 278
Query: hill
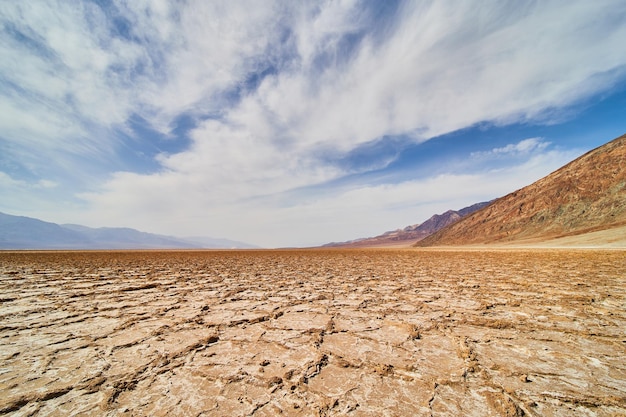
x: 19, y: 232
x: 413, y: 233
x: 586, y: 196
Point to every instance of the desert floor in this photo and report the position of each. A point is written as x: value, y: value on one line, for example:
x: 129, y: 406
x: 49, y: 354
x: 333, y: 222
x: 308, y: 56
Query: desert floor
x: 313, y: 332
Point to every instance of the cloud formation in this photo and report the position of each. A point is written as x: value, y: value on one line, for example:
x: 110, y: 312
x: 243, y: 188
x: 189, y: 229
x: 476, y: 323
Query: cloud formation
x: 520, y: 148
x: 277, y: 95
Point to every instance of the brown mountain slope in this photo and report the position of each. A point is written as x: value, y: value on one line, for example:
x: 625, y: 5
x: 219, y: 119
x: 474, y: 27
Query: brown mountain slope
x: 410, y: 234
x: 586, y: 195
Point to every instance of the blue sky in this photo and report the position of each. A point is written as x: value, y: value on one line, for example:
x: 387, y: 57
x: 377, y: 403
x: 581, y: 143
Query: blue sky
x: 296, y: 123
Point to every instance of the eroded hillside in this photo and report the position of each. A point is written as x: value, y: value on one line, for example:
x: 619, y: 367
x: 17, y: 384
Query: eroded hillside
x: 586, y: 195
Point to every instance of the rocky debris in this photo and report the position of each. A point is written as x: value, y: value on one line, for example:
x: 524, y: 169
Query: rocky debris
x: 585, y: 196
x: 313, y: 333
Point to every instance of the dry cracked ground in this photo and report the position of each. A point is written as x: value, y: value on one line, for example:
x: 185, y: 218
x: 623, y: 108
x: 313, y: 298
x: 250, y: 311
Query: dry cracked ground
x: 313, y: 333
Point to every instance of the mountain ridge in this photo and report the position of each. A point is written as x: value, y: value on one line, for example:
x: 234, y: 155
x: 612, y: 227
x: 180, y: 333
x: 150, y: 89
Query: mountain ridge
x: 412, y: 233
x: 21, y: 232
x: 585, y: 195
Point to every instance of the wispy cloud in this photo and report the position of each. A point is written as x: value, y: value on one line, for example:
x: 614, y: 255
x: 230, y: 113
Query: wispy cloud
x: 522, y: 147
x: 33, y: 197
x: 6, y: 181
x: 281, y: 94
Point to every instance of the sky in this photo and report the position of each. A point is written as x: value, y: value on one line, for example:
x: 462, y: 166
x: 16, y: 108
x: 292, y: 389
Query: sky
x: 296, y: 123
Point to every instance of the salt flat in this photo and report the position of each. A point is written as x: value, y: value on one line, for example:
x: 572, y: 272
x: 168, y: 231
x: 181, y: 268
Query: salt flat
x: 314, y: 332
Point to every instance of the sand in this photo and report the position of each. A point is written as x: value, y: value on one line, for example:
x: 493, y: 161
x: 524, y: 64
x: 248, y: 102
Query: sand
x: 314, y: 333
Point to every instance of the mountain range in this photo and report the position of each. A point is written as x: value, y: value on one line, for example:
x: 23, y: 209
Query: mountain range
x: 582, y: 203
x: 18, y: 232
x: 413, y: 233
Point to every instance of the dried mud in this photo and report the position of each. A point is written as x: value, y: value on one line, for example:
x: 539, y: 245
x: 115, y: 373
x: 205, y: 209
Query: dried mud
x: 313, y: 333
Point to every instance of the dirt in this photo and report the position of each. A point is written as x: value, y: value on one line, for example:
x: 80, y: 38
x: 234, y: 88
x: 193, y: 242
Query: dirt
x: 314, y: 333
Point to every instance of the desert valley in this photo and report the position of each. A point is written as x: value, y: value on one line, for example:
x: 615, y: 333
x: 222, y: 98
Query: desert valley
x: 516, y: 308
x: 312, y: 208
x: 314, y: 333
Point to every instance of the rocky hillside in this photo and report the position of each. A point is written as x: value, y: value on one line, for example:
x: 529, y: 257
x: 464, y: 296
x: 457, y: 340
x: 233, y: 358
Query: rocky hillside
x: 414, y: 233
x: 587, y: 195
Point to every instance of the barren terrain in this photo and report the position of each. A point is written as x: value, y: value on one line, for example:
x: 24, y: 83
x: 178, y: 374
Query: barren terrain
x: 585, y: 196
x: 317, y: 332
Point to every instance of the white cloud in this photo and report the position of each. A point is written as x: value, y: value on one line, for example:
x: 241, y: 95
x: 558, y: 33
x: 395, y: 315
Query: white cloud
x: 59, y: 99
x: 34, y: 198
x: 436, y: 72
x: 197, y: 52
x: 337, y: 79
x: 441, y: 69
x: 443, y: 66
x: 520, y: 148
x: 8, y: 182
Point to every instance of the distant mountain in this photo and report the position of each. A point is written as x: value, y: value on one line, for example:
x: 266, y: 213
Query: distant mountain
x: 18, y: 232
x: 586, y: 196
x: 414, y: 233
